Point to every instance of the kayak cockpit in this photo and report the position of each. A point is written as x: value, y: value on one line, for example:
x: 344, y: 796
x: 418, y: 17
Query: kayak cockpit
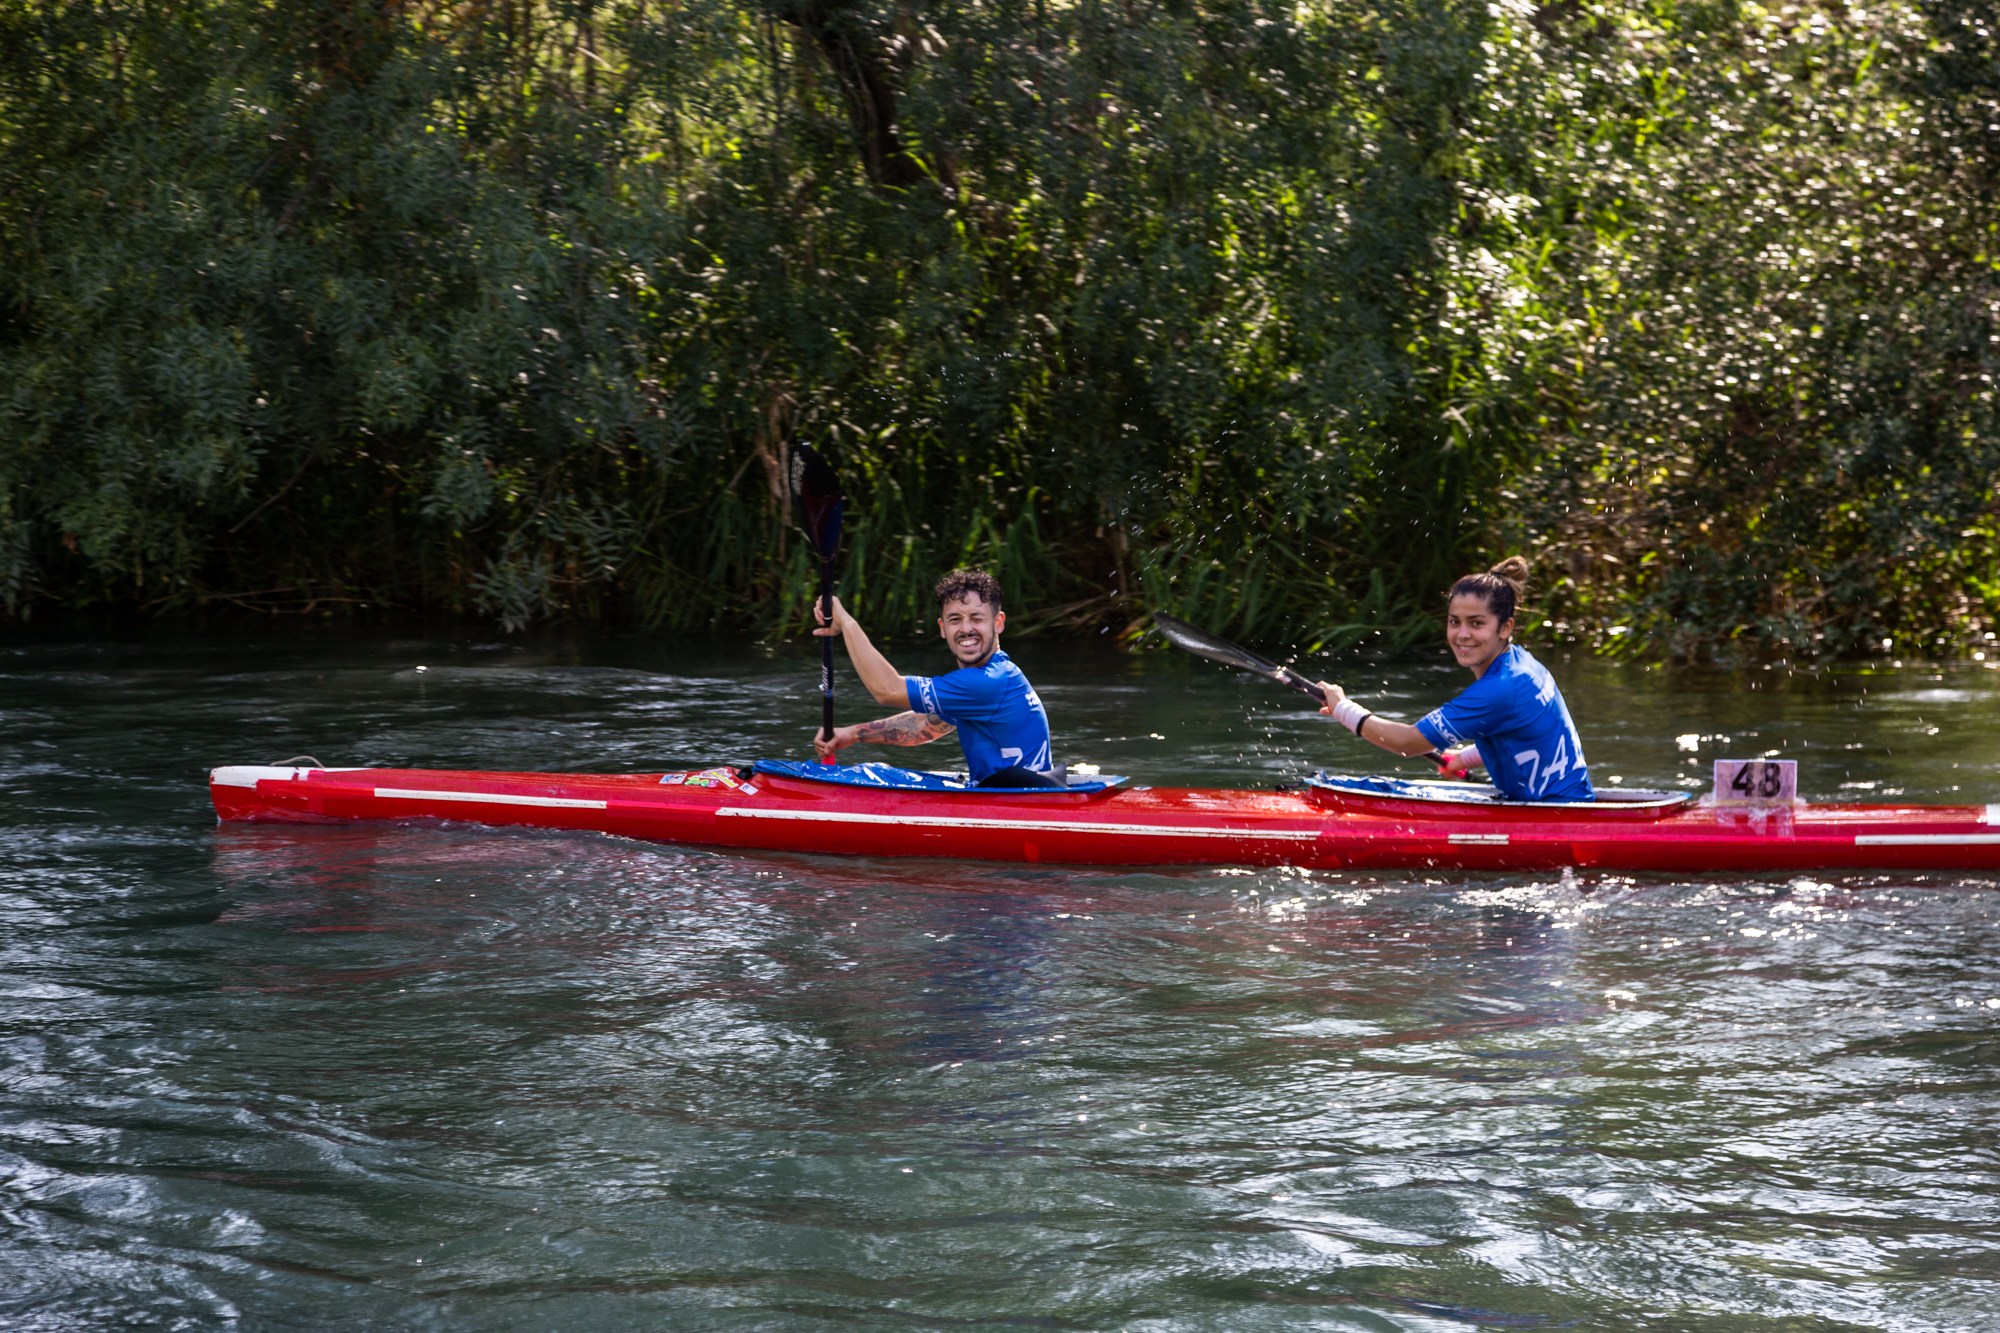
x: 888, y: 777
x: 1388, y: 795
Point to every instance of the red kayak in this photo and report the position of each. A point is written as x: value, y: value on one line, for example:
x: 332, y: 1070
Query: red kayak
x: 1328, y: 823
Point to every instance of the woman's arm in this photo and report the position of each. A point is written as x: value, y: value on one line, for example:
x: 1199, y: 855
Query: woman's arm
x: 1395, y: 737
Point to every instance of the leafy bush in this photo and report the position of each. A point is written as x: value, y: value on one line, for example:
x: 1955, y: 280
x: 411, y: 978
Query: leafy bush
x: 1277, y: 316
x: 1785, y: 437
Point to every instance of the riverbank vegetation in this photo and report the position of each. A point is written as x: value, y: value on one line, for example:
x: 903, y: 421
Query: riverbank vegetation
x: 1274, y: 315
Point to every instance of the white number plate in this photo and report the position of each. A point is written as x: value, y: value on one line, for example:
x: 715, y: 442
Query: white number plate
x: 1756, y: 781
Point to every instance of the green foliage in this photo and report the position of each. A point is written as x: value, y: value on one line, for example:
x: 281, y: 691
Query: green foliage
x: 1786, y: 266
x: 1278, y: 316
x: 303, y: 310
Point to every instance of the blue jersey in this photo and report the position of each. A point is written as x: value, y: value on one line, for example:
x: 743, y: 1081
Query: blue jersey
x: 998, y: 715
x: 1517, y: 718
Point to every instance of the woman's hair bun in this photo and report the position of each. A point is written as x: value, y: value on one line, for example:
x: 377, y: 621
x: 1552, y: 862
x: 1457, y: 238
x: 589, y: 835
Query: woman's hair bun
x: 1500, y: 587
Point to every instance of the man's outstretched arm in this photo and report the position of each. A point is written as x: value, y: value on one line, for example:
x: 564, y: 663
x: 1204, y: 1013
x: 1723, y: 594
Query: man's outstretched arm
x: 902, y: 729
x: 883, y: 681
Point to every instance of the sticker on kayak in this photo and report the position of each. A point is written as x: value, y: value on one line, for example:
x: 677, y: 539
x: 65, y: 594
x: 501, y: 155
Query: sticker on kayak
x: 1756, y: 782
x: 709, y: 777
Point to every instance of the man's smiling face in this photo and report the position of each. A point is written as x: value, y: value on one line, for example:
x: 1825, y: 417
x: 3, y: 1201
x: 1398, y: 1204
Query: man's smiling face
x: 971, y: 629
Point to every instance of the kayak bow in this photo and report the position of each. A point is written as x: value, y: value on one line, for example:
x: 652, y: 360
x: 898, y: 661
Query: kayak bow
x: 1333, y: 823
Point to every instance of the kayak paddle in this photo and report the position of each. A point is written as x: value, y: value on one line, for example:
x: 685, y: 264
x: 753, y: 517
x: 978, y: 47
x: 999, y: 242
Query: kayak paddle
x: 1203, y: 644
x: 818, y: 492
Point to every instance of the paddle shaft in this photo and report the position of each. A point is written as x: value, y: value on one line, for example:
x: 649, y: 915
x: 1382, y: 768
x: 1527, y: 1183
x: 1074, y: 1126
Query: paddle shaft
x: 826, y: 654
x: 816, y: 490
x: 1300, y: 683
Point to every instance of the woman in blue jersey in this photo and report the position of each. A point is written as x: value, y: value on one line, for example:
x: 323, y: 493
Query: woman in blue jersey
x: 1511, y: 720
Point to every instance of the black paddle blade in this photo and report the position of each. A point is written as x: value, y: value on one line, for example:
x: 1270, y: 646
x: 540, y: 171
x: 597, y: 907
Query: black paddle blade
x: 816, y: 487
x: 1203, y: 644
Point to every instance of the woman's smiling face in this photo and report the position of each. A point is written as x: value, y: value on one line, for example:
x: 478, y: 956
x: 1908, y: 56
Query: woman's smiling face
x: 1476, y: 638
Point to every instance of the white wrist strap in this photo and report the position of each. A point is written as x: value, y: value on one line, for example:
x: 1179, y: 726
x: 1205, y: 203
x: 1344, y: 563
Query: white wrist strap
x: 1351, y: 715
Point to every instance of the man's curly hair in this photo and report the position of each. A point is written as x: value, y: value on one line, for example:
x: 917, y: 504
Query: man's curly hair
x: 962, y: 583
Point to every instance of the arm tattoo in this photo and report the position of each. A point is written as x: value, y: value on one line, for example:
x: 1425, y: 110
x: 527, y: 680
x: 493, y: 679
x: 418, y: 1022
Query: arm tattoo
x: 905, y: 729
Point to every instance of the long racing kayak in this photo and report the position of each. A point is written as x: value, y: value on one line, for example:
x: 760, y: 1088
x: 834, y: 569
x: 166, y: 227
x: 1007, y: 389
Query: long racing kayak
x: 1326, y: 823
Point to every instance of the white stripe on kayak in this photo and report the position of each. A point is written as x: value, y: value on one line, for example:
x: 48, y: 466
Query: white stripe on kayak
x: 1496, y: 839
x: 1025, y: 825
x: 1992, y: 815
x: 1926, y: 839
x: 487, y: 798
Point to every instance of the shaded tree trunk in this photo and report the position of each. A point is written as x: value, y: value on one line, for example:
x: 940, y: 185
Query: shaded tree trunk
x: 869, y: 84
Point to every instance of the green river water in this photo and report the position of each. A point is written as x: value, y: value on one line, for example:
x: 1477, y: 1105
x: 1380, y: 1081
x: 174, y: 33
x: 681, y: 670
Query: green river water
x: 443, y: 1077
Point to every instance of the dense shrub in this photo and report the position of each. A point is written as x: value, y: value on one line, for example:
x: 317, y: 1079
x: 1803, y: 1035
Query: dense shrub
x: 1785, y: 430
x: 1275, y: 315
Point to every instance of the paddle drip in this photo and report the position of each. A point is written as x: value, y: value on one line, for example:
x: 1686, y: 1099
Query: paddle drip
x: 817, y: 489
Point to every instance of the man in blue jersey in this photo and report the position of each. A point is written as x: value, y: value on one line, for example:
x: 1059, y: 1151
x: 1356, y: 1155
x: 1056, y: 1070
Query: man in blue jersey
x: 987, y: 701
